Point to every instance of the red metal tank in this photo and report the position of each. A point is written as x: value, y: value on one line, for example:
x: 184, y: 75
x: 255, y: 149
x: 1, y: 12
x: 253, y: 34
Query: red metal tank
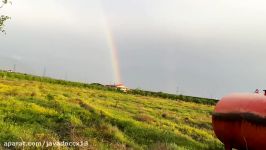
x: 239, y: 121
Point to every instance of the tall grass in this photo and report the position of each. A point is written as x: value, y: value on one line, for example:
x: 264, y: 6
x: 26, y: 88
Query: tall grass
x: 43, y: 109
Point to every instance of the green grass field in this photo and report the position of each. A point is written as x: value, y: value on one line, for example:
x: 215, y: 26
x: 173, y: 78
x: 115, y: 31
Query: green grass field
x: 32, y: 111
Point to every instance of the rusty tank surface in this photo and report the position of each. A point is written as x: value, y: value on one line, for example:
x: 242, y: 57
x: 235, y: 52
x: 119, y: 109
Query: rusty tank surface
x: 239, y: 121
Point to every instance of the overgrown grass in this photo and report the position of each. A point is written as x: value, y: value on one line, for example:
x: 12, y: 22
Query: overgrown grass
x: 40, y: 110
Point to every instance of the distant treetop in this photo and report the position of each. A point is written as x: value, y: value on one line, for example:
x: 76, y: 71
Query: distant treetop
x: 3, y: 18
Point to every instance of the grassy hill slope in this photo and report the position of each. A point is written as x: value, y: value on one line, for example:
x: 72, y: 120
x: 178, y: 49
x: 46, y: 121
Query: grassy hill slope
x: 41, y: 111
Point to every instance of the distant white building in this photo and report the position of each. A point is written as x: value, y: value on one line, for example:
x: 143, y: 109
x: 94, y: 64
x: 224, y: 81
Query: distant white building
x: 9, y: 70
x: 6, y: 70
x: 121, y: 87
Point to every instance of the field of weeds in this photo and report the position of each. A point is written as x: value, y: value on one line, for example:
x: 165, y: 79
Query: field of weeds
x: 32, y: 111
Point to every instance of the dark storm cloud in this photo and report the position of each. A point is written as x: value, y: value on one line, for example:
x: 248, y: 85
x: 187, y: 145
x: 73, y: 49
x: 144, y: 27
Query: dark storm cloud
x: 202, y: 48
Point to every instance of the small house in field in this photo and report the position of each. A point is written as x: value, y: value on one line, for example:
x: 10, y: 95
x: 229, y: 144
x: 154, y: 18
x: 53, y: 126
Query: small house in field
x: 120, y: 86
x: 8, y: 70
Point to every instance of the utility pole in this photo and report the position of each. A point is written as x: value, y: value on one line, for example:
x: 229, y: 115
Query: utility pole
x: 14, y: 68
x: 66, y: 76
x: 177, y: 90
x: 44, y: 72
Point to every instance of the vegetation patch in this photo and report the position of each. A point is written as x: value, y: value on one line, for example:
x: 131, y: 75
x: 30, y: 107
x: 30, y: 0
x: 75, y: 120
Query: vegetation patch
x: 43, y: 109
x: 144, y: 118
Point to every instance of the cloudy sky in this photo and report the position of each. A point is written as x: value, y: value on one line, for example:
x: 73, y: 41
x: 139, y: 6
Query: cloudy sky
x: 196, y: 47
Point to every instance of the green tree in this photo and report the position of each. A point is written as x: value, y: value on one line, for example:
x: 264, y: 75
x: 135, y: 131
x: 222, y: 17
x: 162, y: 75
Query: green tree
x: 3, y: 18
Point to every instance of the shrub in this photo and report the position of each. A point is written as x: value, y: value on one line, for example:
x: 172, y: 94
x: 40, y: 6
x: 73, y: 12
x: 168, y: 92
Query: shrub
x: 33, y: 94
x: 144, y: 118
x: 164, y: 115
x: 50, y: 97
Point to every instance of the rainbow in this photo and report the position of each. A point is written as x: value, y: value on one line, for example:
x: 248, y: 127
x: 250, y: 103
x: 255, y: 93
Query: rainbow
x: 113, y: 49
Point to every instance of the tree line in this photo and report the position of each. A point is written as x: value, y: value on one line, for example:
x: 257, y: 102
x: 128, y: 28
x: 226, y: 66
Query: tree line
x: 22, y: 76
